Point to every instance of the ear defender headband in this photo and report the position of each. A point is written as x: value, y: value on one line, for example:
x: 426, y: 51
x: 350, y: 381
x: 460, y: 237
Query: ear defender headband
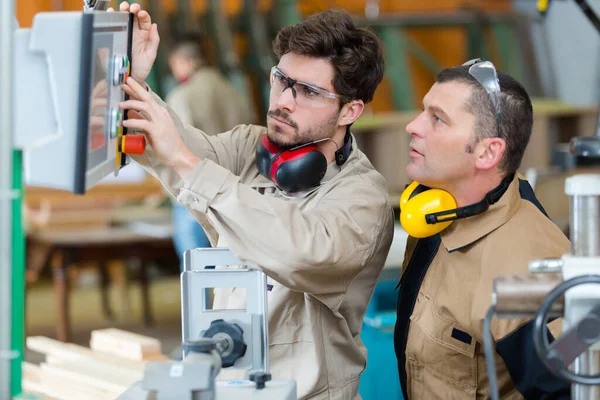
x: 425, y: 212
x: 299, y: 168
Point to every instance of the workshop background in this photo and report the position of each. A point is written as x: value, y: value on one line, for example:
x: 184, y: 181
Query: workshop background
x: 106, y: 259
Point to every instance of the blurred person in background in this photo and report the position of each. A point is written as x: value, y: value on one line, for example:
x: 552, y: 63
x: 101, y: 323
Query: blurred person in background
x: 204, y: 99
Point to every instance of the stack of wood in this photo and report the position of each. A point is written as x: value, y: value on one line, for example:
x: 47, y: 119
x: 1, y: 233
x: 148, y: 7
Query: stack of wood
x: 114, y: 362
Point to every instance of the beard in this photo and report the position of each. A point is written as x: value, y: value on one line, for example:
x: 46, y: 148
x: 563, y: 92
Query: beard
x: 325, y: 129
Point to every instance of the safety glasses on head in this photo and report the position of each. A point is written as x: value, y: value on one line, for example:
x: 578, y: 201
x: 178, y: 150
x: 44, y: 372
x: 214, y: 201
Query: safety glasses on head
x: 485, y: 73
x: 305, y: 94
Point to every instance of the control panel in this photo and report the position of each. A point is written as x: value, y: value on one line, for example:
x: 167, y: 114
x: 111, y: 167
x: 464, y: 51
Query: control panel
x: 69, y: 68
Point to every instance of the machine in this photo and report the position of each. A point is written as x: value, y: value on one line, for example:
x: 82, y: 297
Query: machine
x: 216, y: 338
x: 74, y: 63
x: 565, y: 287
x: 61, y: 124
x: 544, y: 294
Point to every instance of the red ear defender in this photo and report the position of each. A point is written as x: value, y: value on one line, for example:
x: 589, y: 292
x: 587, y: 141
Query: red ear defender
x: 294, y: 170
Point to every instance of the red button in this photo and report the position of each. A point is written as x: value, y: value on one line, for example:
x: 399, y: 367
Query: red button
x: 133, y: 144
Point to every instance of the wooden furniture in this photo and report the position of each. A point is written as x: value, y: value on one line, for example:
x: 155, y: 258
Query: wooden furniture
x: 65, y: 231
x: 67, y: 249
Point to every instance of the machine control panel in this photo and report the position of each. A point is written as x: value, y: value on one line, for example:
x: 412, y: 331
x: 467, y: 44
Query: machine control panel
x: 71, y: 66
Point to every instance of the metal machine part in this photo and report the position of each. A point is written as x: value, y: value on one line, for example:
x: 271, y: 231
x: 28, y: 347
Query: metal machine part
x: 238, y: 338
x: 70, y: 61
x: 586, y: 146
x: 584, y: 193
x: 95, y: 5
x: 193, y: 378
x: 521, y: 296
x: 543, y: 295
x: 197, y: 317
x: 573, y: 342
x: 229, y: 340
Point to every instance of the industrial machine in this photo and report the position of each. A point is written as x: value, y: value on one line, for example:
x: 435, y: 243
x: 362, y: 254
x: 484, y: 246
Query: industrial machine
x: 61, y: 124
x: 68, y: 71
x: 543, y: 295
x: 215, y: 338
x: 565, y: 287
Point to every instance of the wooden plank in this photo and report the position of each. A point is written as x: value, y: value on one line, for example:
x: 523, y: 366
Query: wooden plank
x: 109, y: 372
x: 74, y: 352
x: 126, y: 344
x: 98, y: 380
x: 31, y: 381
x: 58, y: 387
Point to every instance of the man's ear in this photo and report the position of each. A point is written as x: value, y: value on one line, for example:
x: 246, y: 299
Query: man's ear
x: 489, y: 152
x: 350, y: 112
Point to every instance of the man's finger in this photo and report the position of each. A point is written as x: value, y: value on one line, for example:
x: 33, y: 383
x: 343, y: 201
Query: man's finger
x: 154, y: 39
x: 136, y: 105
x: 110, y: 9
x: 124, y: 6
x: 140, y: 124
x: 135, y: 8
x: 138, y: 90
x: 144, y: 20
x: 129, y: 91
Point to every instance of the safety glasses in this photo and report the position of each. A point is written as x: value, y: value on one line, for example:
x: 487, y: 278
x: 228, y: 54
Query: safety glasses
x: 305, y: 94
x: 485, y: 73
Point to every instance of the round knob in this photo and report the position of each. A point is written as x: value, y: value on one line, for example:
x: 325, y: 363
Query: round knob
x: 119, y: 67
x: 260, y: 378
x: 230, y: 334
x: 133, y: 144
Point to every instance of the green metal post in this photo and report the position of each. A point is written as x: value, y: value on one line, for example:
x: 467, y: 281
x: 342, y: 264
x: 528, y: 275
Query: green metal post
x: 287, y: 13
x: 476, y: 46
x: 397, y: 68
x: 423, y: 56
x: 18, y: 276
x: 228, y: 59
x: 261, y: 58
x: 509, y: 49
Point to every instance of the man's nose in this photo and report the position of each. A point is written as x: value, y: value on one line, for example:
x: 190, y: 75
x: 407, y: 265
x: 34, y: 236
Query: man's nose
x: 415, y: 127
x: 286, y: 99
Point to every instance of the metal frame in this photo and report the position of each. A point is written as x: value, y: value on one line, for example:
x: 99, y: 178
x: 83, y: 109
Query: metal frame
x: 6, y: 193
x: 198, y: 276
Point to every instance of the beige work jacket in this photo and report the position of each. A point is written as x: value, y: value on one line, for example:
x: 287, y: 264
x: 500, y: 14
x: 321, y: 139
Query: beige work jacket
x: 322, y: 251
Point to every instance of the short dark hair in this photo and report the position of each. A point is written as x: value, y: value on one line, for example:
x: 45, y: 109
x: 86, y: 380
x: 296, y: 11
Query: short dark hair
x: 515, y: 108
x: 191, y: 46
x: 355, y: 53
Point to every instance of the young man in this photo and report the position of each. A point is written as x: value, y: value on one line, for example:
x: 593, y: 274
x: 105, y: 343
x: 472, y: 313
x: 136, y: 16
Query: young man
x: 469, y: 141
x: 322, y: 233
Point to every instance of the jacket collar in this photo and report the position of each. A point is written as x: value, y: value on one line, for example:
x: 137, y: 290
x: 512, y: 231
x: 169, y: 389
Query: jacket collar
x: 466, y: 231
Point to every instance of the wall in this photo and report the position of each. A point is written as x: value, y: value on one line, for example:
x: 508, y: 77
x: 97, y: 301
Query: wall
x: 568, y: 50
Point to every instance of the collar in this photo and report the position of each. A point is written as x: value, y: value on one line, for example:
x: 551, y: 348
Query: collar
x: 332, y: 170
x: 463, y: 232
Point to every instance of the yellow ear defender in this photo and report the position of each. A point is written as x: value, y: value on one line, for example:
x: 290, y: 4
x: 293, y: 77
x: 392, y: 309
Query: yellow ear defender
x: 418, y: 202
x: 425, y: 212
